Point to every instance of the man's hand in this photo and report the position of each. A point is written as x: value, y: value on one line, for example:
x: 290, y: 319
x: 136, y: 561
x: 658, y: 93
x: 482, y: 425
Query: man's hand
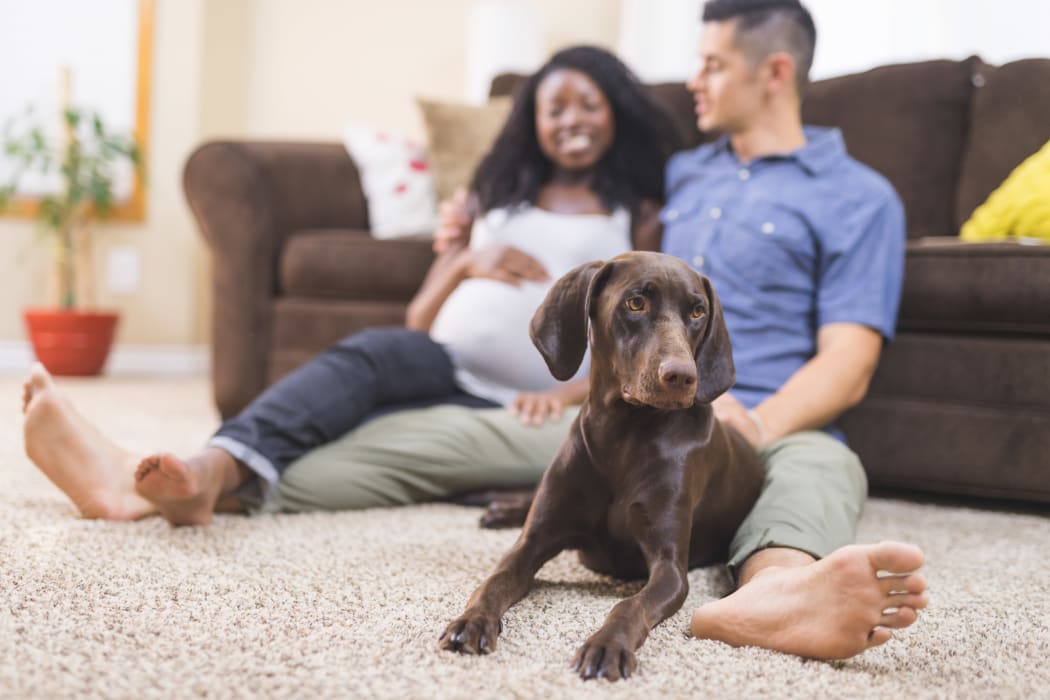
x: 455, y: 217
x: 504, y: 263
x: 732, y: 413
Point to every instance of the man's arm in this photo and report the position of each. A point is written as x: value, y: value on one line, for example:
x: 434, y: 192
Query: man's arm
x: 835, y: 379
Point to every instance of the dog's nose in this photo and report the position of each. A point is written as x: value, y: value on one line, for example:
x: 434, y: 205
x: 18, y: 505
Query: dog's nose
x: 677, y: 373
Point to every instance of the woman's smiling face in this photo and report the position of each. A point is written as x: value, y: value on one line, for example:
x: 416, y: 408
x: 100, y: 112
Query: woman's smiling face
x: 574, y: 120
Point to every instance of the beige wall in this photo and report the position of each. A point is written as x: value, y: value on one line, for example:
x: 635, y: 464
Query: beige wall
x: 317, y: 64
x: 266, y: 69
x: 164, y: 311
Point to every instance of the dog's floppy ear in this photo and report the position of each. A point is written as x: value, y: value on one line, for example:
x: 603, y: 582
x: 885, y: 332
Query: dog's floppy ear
x: 715, y: 373
x: 559, y: 327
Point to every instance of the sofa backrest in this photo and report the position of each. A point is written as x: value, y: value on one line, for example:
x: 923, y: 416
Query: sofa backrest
x: 1010, y: 121
x: 908, y: 122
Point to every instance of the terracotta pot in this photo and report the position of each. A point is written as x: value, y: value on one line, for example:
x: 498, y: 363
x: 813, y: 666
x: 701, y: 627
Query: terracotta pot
x: 71, y: 343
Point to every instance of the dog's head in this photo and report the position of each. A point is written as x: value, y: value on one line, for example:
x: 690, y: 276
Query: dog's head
x: 656, y: 328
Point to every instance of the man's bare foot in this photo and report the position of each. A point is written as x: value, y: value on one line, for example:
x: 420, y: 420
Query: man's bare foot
x: 833, y: 608
x: 186, y: 491
x: 95, y: 473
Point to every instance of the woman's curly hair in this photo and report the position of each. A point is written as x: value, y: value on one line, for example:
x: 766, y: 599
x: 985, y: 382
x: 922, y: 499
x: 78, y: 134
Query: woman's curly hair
x: 632, y: 170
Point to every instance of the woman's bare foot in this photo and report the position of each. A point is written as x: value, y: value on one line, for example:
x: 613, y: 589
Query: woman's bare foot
x: 833, y: 608
x: 186, y: 491
x: 95, y: 473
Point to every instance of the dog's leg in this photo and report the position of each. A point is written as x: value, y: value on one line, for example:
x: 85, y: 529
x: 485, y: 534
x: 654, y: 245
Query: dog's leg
x: 476, y: 630
x: 552, y: 525
x: 609, y: 652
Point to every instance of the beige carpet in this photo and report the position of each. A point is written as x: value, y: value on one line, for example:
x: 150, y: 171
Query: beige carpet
x: 349, y: 605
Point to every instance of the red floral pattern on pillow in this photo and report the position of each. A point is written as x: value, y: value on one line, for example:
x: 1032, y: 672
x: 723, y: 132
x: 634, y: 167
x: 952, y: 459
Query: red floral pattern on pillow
x: 397, y: 181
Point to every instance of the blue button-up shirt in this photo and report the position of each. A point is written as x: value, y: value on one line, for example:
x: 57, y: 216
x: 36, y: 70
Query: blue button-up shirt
x: 790, y: 243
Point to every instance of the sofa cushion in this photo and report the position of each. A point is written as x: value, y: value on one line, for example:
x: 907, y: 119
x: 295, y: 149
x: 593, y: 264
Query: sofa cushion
x: 1010, y: 121
x: 304, y: 327
x: 987, y: 370
x: 347, y: 264
x: 976, y: 287
x: 908, y: 122
x: 949, y: 448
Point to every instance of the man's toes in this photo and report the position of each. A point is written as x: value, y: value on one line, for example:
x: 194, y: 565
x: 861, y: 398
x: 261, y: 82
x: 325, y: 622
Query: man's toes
x: 896, y: 557
x: 915, y: 601
x: 898, y: 618
x: 912, y: 583
x: 879, y: 635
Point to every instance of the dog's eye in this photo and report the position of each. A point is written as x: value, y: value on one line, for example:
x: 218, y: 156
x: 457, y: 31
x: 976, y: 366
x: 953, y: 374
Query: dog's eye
x: 698, y: 311
x: 635, y: 303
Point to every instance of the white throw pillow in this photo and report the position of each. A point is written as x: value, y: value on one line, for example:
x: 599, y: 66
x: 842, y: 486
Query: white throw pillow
x: 397, y: 181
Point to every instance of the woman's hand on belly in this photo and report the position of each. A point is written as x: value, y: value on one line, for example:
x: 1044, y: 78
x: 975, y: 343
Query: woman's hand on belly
x: 504, y: 263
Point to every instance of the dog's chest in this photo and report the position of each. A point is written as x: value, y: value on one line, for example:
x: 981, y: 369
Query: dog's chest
x: 634, y: 512
x: 617, y: 522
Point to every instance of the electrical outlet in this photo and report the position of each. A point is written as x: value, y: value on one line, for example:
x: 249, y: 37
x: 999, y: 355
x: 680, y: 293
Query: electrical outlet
x: 122, y: 270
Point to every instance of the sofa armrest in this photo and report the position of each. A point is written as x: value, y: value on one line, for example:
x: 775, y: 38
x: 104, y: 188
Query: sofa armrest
x: 248, y: 199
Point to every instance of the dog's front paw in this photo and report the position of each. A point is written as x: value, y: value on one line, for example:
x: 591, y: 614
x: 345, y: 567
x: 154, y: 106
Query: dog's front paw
x: 471, y: 633
x: 609, y: 659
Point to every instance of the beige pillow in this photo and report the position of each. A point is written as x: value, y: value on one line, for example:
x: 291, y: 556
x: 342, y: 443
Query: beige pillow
x: 458, y: 137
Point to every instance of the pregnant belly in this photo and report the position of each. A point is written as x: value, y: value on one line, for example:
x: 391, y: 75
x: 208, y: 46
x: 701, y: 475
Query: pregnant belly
x: 484, y: 324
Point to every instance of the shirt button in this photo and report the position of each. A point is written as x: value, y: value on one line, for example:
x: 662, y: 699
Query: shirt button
x: 698, y: 261
x: 744, y: 174
x: 716, y: 213
x: 768, y: 228
x: 672, y: 214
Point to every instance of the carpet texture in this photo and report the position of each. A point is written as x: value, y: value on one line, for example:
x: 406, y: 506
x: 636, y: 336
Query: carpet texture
x: 349, y: 605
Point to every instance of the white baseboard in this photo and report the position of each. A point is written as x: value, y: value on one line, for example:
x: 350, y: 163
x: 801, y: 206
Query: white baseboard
x: 141, y: 360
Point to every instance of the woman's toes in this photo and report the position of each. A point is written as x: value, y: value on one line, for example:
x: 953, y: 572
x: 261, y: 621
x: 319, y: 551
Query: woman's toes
x: 146, y: 466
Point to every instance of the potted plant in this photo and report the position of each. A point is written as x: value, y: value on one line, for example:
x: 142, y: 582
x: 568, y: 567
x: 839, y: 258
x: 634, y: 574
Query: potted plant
x: 71, y: 338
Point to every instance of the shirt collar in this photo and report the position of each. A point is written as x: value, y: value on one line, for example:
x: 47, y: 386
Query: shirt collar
x: 824, y: 147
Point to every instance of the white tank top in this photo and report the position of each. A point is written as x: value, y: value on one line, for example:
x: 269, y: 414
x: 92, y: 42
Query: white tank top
x: 484, y: 323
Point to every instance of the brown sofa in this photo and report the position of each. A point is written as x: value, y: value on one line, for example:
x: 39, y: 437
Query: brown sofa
x: 960, y: 403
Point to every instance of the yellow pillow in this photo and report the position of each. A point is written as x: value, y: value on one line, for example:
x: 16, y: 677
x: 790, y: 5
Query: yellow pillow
x: 1019, y: 208
x: 458, y: 137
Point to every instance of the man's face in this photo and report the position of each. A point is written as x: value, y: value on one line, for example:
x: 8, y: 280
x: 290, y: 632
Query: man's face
x: 727, y: 89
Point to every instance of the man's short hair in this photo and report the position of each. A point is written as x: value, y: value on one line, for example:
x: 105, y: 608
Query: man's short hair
x: 764, y: 27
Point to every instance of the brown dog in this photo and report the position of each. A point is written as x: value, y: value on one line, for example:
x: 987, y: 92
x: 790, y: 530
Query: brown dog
x: 648, y: 483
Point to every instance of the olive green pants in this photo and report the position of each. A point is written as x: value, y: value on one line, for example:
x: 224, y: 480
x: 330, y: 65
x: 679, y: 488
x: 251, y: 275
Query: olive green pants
x: 814, y: 490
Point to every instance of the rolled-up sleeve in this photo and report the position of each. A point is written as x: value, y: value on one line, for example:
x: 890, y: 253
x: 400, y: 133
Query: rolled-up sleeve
x: 862, y: 265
